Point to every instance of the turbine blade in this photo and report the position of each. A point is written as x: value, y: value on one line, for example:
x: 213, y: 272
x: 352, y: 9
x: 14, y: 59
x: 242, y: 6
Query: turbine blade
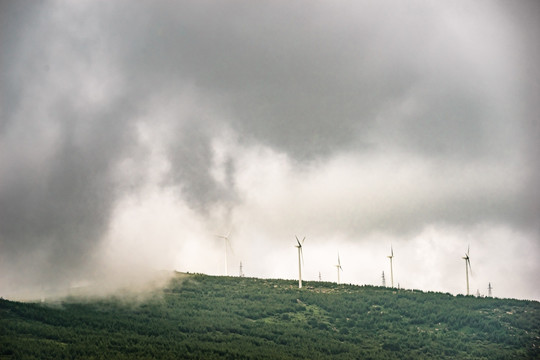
x: 391, y: 251
x: 229, y: 244
x: 303, y: 240
x: 470, y: 268
x: 302, y: 254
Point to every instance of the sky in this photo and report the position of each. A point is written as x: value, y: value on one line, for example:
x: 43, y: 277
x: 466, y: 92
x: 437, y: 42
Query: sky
x: 132, y: 133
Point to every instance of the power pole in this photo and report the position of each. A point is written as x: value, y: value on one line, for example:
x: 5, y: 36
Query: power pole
x: 241, y: 270
x: 383, y: 280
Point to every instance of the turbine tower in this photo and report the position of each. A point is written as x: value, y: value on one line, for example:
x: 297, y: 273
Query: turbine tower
x: 300, y: 259
x: 227, y: 245
x: 489, y: 289
x: 391, y: 256
x: 467, y: 267
x: 338, y: 267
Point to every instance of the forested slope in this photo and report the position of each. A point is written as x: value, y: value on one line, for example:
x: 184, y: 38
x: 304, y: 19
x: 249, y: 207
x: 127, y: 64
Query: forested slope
x: 205, y: 317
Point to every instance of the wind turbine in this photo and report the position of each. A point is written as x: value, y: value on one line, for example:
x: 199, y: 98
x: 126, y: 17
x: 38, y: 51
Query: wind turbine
x: 300, y: 256
x: 227, y: 245
x: 391, y: 256
x: 338, y: 267
x: 467, y: 267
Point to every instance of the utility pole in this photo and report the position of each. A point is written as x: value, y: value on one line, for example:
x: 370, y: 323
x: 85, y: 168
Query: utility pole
x: 241, y: 270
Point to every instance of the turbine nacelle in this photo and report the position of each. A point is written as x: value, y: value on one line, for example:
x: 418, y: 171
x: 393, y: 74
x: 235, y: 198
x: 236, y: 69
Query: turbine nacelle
x: 467, y: 260
x: 391, y: 253
x: 299, y: 247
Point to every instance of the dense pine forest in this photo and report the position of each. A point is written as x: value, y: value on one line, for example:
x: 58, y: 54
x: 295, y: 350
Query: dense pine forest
x: 207, y: 317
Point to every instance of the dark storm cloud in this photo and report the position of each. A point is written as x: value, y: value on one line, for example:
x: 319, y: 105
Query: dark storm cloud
x: 528, y: 16
x: 57, y: 158
x: 10, y: 37
x: 191, y: 158
x: 310, y: 79
x: 284, y: 74
x: 314, y: 79
x: 61, y: 204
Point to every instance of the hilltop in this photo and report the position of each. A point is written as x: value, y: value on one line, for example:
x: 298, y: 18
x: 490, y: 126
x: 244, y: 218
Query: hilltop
x: 207, y: 317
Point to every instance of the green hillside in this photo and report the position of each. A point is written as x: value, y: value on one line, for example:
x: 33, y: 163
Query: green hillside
x: 206, y: 317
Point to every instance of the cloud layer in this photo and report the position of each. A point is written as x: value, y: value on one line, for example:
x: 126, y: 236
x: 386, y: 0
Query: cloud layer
x: 130, y: 134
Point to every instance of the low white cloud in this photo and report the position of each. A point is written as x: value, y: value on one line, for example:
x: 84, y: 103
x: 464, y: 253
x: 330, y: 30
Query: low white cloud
x: 347, y: 205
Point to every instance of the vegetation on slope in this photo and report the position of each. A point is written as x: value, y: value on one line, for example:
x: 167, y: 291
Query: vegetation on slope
x: 205, y: 317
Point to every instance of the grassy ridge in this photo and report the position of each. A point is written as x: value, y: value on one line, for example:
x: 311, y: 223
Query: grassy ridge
x: 205, y: 317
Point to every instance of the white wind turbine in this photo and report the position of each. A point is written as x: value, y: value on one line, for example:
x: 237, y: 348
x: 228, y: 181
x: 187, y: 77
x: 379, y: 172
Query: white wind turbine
x: 300, y: 259
x: 338, y: 267
x: 391, y: 257
x: 467, y: 267
x: 227, y: 246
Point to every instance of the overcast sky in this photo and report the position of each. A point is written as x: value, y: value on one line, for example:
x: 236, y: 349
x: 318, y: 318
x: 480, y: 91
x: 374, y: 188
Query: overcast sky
x: 132, y: 133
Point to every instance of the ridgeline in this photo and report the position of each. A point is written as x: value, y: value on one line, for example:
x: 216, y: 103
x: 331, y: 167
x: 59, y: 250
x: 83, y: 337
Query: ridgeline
x: 208, y: 317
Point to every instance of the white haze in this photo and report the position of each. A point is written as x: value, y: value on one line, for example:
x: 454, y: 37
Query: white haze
x: 356, y: 216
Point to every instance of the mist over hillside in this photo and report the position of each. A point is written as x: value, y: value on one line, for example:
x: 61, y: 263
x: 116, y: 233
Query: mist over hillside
x: 199, y: 316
